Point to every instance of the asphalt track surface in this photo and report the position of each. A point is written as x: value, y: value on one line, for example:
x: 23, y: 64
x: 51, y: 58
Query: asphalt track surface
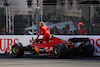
x: 29, y: 61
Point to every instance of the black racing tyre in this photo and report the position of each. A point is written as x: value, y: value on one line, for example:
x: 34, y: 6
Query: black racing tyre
x: 86, y: 50
x: 89, y: 50
x: 59, y: 51
x: 17, y: 50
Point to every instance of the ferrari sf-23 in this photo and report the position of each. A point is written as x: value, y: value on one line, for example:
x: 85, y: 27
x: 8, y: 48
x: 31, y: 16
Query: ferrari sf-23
x: 55, y: 47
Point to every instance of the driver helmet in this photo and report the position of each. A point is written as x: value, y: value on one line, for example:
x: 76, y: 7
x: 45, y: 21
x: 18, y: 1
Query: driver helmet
x: 41, y: 23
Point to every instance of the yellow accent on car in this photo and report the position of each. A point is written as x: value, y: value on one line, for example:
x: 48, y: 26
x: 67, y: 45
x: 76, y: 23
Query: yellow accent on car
x: 36, y: 49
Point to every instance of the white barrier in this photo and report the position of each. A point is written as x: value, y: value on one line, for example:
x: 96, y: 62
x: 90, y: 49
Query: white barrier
x: 6, y: 41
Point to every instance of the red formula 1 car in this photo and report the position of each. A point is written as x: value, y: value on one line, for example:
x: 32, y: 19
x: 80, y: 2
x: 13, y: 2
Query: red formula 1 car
x: 55, y: 47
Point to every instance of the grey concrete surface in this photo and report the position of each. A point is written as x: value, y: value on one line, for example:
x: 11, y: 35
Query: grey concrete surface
x: 8, y: 61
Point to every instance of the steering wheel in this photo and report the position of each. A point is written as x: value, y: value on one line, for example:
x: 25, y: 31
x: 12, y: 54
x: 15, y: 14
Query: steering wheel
x: 36, y: 40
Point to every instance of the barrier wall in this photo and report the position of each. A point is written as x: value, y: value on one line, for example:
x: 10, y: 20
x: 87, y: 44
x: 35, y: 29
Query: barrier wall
x: 6, y: 41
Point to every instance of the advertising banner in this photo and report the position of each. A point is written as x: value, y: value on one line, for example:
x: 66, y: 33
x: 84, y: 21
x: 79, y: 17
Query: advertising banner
x: 6, y: 41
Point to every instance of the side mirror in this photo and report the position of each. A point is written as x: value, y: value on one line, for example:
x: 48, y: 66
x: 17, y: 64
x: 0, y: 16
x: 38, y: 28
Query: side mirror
x: 31, y: 41
x: 32, y: 38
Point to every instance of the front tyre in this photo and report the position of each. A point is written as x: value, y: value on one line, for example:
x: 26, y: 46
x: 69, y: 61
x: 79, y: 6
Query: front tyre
x: 17, y: 50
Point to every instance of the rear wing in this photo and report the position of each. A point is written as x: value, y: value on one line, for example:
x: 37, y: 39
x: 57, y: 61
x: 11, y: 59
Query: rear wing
x: 78, y: 39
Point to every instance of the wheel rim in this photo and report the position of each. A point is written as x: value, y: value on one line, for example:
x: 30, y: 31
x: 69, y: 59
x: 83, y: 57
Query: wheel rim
x: 56, y: 51
x: 14, y: 50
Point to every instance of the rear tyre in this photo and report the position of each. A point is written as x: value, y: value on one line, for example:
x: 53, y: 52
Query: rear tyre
x: 89, y: 50
x: 17, y: 50
x: 86, y: 51
x: 59, y: 51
